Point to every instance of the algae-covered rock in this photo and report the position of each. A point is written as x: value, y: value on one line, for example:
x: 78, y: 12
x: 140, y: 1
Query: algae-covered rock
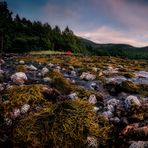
x: 66, y: 124
x: 20, y: 95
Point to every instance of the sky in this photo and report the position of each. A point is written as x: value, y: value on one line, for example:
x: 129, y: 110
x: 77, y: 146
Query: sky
x: 102, y: 21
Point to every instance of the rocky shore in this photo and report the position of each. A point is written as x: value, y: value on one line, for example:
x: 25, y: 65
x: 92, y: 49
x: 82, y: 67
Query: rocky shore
x: 42, y: 96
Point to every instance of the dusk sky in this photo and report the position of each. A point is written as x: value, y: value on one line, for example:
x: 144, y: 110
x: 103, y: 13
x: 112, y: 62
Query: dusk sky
x: 102, y: 21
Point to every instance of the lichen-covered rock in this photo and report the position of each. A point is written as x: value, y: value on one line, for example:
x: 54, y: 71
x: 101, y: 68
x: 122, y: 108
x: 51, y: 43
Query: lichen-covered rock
x: 132, y: 101
x: 87, y: 76
x: 19, y: 78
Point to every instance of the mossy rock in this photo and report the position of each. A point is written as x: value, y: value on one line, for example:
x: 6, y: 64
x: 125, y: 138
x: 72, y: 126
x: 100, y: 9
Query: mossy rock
x: 129, y: 86
x: 20, y: 95
x: 65, y: 124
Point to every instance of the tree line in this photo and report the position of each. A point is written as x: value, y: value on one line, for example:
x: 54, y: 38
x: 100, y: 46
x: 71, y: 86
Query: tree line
x: 22, y: 35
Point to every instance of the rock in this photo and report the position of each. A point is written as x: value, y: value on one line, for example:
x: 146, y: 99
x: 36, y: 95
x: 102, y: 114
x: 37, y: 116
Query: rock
x: 63, y: 69
x: 44, y: 71
x: 115, y: 120
x: 92, y: 99
x: 47, y: 79
x: 139, y: 144
x: 8, y: 121
x: 1, y: 87
x: 51, y: 65
x: 71, y: 68
x: 96, y: 109
x: 142, y: 74
x: 1, y: 75
x: 73, y: 73
x: 21, y: 62
x: 19, y: 78
x: 108, y: 114
x: 73, y: 96
x: 31, y: 68
x: 131, y: 101
x: 87, y: 76
x: 2, y: 62
x: 25, y: 108
x: 95, y: 69
x: 111, y: 104
x: 92, y: 142
x: 16, y: 113
x: 100, y: 74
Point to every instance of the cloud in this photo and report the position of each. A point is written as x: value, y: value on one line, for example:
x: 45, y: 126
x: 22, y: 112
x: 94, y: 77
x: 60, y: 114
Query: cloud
x: 106, y: 34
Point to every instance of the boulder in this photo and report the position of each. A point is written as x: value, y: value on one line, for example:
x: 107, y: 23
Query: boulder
x: 19, y: 78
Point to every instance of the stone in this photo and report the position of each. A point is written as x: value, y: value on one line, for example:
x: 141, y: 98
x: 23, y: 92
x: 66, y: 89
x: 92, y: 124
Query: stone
x: 142, y: 74
x: 1, y: 87
x: 44, y: 71
x: 16, y: 113
x: 92, y: 142
x: 87, y: 76
x: 71, y: 68
x: 8, y: 121
x: 73, y: 73
x: 95, y: 69
x: 32, y: 68
x: 47, y: 79
x: 2, y: 62
x: 132, y: 101
x: 96, y: 109
x: 73, y: 96
x: 111, y: 104
x: 92, y: 99
x: 19, y: 78
x: 51, y: 65
x: 108, y: 114
x: 21, y: 62
x: 139, y: 144
x: 115, y: 120
x: 25, y: 108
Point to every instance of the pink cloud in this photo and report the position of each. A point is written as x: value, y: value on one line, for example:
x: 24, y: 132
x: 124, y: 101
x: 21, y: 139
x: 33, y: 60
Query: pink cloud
x: 110, y: 35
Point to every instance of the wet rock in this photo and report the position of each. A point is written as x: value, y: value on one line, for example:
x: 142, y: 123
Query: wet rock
x: 25, y: 108
x: 73, y: 96
x: 87, y: 76
x: 31, y: 68
x: 44, y: 71
x: 131, y: 101
x: 19, y: 78
x: 139, y: 144
x: 92, y: 142
x: 92, y: 99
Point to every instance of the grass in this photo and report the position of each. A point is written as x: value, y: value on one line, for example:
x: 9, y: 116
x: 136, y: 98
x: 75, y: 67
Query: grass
x: 46, y: 52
